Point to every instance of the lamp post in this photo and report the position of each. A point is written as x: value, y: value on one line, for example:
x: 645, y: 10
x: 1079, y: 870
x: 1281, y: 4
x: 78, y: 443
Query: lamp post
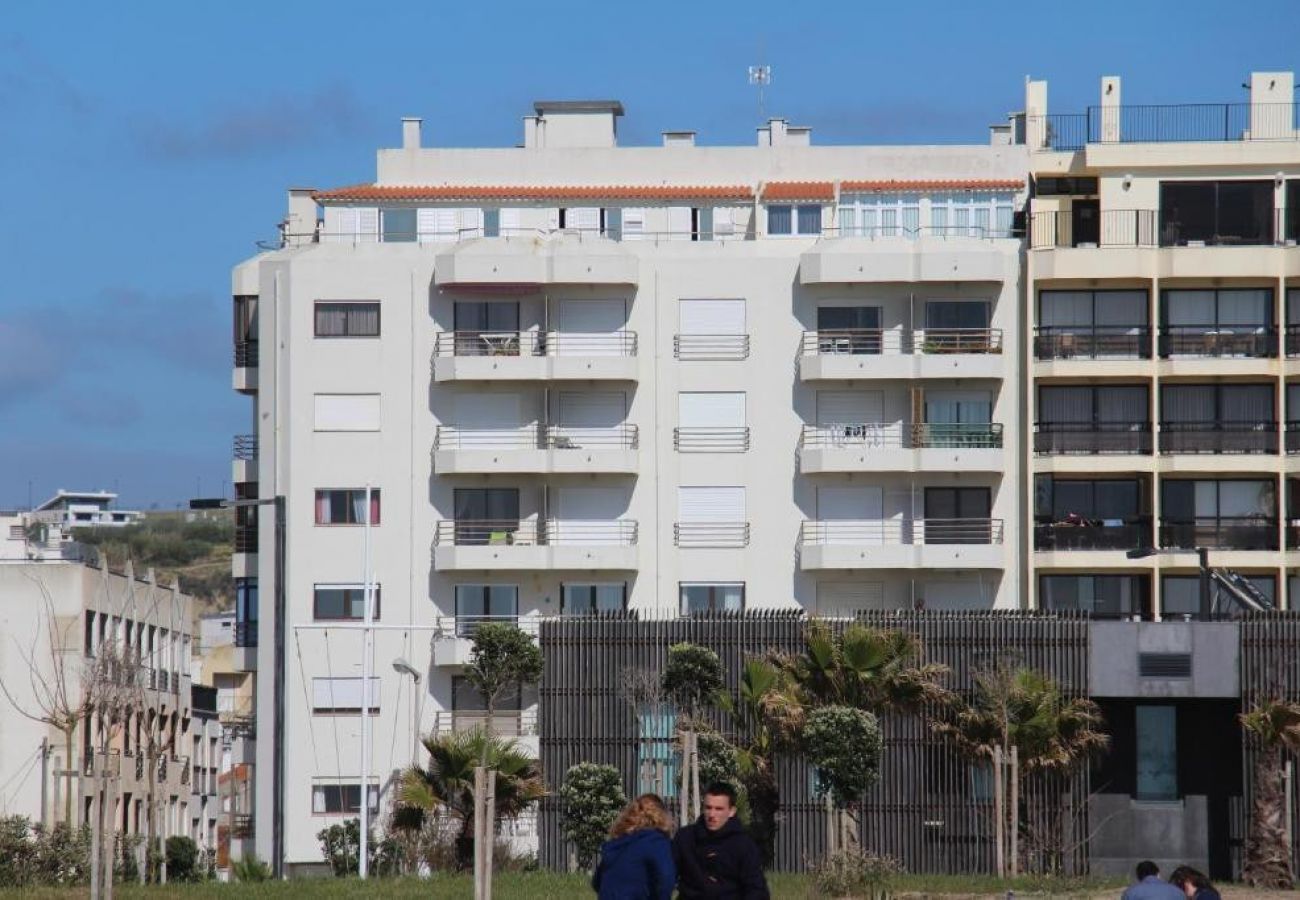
x: 402, y: 667
x: 277, y: 505
x: 1203, y: 559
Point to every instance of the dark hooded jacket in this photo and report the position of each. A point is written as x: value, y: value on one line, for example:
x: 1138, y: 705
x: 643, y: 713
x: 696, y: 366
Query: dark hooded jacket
x: 724, y: 864
x: 636, y: 866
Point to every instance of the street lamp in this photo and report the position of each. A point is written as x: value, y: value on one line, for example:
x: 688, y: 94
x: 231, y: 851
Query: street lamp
x: 1203, y: 559
x: 402, y: 667
x: 277, y: 505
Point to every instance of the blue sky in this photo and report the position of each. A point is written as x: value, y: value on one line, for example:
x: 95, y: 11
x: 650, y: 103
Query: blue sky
x: 147, y: 145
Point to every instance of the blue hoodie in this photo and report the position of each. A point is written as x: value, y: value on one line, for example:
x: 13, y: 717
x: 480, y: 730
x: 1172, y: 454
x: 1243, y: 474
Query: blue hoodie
x: 636, y: 866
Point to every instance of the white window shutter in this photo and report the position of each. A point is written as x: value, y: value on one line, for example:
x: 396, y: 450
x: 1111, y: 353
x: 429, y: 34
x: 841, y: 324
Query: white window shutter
x: 471, y: 222
x: 633, y: 223
x: 679, y: 223
x: 340, y: 224
x: 446, y: 221
x: 509, y: 222
x: 426, y: 223
x: 711, y: 504
x: 552, y: 219
x: 368, y: 224
x: 724, y: 221
x: 582, y: 218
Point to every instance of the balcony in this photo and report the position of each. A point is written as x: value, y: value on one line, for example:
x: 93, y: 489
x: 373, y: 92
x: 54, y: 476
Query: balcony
x: 531, y: 257
x: 901, y: 354
x: 715, y: 535
x: 244, y: 379
x: 1224, y: 533
x: 537, y: 449
x: 905, y: 254
x: 896, y: 447
x: 453, y: 636
x: 1293, y: 341
x: 552, y: 544
x: 1187, y: 122
x: 1091, y: 438
x: 245, y: 538
x: 701, y: 347
x: 1218, y: 437
x: 534, y: 356
x: 246, y: 634
x: 1092, y: 342
x: 1293, y: 437
x: 1093, y: 534
x: 1237, y: 341
x: 1050, y: 229
x: 244, y: 455
x: 698, y: 439
x: 901, y: 544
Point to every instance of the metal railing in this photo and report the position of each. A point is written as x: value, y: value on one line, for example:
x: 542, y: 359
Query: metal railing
x: 1293, y: 436
x: 1092, y: 437
x: 1092, y: 342
x: 1293, y: 341
x: 905, y: 532
x: 241, y: 826
x: 912, y: 232
x: 1244, y: 340
x: 1113, y: 228
x: 464, y: 626
x: 505, y: 723
x: 724, y: 535
x: 536, y: 437
x: 711, y: 346
x: 245, y: 354
x: 246, y: 634
x: 245, y: 447
x: 534, y: 343
x: 1218, y: 437
x: 970, y: 435
x: 1257, y: 233
x: 1184, y: 122
x: 839, y: 435
x: 1093, y: 534
x: 1223, y: 533
x: 532, y: 533
x: 245, y: 538
x: 886, y: 341
x: 699, y: 439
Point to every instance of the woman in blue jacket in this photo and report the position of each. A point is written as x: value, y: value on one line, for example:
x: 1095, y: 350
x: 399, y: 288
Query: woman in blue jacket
x: 636, y: 863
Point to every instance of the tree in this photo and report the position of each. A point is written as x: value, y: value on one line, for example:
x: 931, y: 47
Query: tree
x: 845, y: 746
x: 692, y: 680
x: 756, y: 750
x: 590, y: 800
x: 1273, y: 726
x: 341, y: 846
x: 503, y: 658
x: 446, y: 786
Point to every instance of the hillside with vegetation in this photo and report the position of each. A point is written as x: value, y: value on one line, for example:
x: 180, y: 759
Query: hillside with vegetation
x: 192, y: 547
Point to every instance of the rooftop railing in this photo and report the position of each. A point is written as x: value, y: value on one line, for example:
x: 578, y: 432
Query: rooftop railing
x: 1184, y: 122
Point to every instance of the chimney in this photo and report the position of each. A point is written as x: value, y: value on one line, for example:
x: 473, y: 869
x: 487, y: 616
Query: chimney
x: 773, y: 134
x: 1110, y: 106
x: 679, y: 138
x: 1036, y: 114
x: 300, y: 222
x: 1272, y: 105
x: 411, y: 133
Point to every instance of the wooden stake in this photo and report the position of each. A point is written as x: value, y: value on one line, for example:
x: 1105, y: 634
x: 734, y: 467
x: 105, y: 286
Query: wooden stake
x: 480, y: 791
x: 1014, y: 810
x: 999, y: 818
x: 489, y: 832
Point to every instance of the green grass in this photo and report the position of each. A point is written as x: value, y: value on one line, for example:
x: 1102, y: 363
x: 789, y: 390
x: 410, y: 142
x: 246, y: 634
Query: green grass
x: 552, y: 886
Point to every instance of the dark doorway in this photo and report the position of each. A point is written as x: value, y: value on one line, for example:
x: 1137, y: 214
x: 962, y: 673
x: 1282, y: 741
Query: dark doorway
x: 1085, y: 222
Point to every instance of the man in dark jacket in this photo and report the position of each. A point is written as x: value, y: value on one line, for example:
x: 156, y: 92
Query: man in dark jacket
x: 715, y: 858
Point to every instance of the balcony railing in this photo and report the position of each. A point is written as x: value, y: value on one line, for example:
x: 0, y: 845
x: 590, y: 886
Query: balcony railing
x: 1056, y: 438
x: 245, y: 354
x: 724, y: 535
x: 1293, y: 437
x: 246, y: 634
x: 896, y: 341
x: 1293, y: 339
x: 1224, y: 533
x: 1218, y: 437
x: 711, y: 346
x: 1092, y: 342
x: 245, y: 538
x: 1196, y: 122
x: 1249, y: 340
x: 965, y: 435
x: 505, y: 723
x: 925, y: 435
x: 464, y: 626
x: 241, y: 826
x: 1093, y: 534
x: 858, y: 532
x: 1113, y: 228
x: 698, y: 439
x: 531, y: 533
x: 536, y: 437
x: 245, y: 447
x: 534, y: 343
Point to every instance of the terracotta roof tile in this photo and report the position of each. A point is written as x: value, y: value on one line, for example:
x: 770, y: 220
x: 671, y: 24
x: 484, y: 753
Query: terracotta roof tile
x: 448, y: 192
x: 956, y: 184
x: 799, y: 190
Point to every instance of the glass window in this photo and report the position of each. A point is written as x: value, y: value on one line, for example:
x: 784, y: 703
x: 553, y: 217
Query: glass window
x: 587, y: 599
x: 700, y: 598
x: 1103, y: 596
x: 346, y: 506
x: 399, y: 225
x: 476, y: 603
x: 810, y: 219
x: 492, y: 222
x: 347, y: 319
x: 612, y: 222
x: 1157, y: 753
x: 779, y: 220
x: 342, y: 601
x: 341, y: 798
x: 1180, y: 595
x: 465, y: 697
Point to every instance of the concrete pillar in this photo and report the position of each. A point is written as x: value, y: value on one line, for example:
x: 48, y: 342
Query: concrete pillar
x: 1272, y: 106
x: 411, y: 133
x: 1036, y: 115
x: 300, y: 222
x: 1110, y: 107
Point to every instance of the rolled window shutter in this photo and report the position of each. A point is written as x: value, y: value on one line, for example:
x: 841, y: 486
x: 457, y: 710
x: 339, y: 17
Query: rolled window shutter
x: 582, y: 218
x: 471, y: 222
x: 711, y: 504
x: 724, y: 221
x: 446, y: 222
x: 633, y: 224
x: 426, y: 224
x: 679, y: 223
x: 340, y: 224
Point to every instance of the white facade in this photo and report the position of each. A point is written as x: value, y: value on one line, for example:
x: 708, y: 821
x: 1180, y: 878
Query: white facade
x: 85, y: 509
x: 644, y: 405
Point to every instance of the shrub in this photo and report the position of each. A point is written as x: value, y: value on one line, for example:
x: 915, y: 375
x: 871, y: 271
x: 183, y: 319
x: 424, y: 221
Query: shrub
x: 17, y: 851
x: 250, y: 868
x: 182, y: 859
x: 693, y: 676
x: 63, y: 854
x: 845, y: 745
x: 854, y: 873
x: 590, y: 800
x: 341, y: 846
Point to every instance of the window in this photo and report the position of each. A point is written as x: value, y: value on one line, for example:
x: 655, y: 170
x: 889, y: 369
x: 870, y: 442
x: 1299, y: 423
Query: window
x: 783, y: 219
x: 700, y: 598
x: 465, y: 697
x: 1092, y: 325
x: 359, y: 319
x: 1103, y: 596
x: 246, y: 320
x: 587, y: 599
x: 611, y: 222
x: 1180, y: 595
x: 873, y: 215
x: 88, y: 645
x: 1229, y: 514
x: 491, y: 222
x: 342, y: 601
x: 346, y: 506
x: 245, y: 612
x: 398, y: 225
x: 1157, y: 753
x: 1052, y: 186
x: 476, y: 603
x: 329, y: 799
x: 492, y: 316
x: 1216, y: 212
x: 342, y: 695
x: 948, y: 315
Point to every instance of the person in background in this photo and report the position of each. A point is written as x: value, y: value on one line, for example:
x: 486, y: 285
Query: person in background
x: 1150, y: 886
x: 1193, y: 884
x: 716, y: 859
x: 636, y: 863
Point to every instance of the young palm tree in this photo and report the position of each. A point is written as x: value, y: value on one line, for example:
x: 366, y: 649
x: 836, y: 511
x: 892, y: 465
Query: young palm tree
x: 447, y: 785
x: 1274, y: 727
x: 756, y: 751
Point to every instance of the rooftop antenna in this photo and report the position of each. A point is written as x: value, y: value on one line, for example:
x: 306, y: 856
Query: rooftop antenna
x: 761, y: 76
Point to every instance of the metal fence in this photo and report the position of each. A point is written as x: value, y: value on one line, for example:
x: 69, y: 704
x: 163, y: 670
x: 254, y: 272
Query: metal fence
x: 929, y: 809
x: 1183, y: 122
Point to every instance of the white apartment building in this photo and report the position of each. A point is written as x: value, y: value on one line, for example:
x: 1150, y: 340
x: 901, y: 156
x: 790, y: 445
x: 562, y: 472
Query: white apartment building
x: 85, y: 509
x: 582, y: 377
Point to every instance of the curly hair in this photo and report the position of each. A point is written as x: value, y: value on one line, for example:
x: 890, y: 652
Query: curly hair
x: 646, y: 811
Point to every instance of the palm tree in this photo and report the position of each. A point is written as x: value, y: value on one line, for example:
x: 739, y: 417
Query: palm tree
x: 447, y: 785
x: 1274, y: 727
x: 755, y: 752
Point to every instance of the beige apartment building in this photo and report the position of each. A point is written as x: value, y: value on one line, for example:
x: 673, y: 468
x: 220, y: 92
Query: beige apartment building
x: 580, y: 377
